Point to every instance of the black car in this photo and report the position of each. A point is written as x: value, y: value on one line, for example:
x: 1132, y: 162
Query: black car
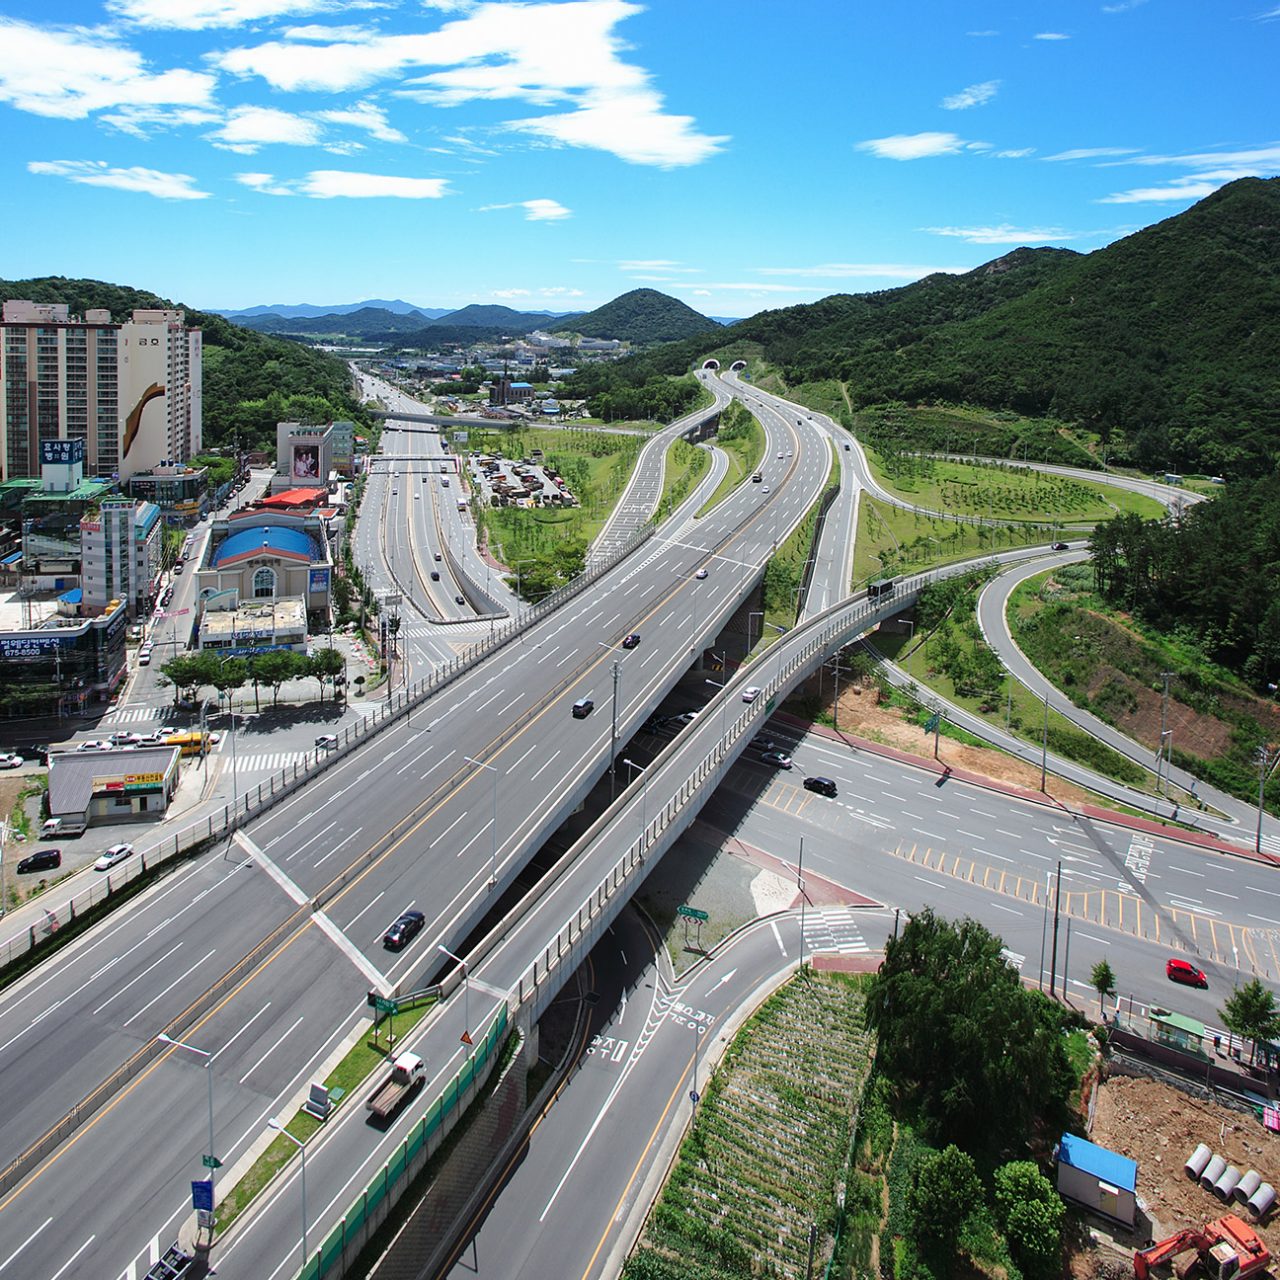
x: 823, y: 786
x: 1061, y: 546
x: 403, y: 932
x: 435, y: 575
x: 583, y: 708
x: 459, y: 600
x: 630, y: 642
x: 45, y: 860
x: 39, y: 754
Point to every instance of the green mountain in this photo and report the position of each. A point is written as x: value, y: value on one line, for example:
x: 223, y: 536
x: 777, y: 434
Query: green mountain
x: 641, y: 317
x: 251, y: 380
x: 1163, y: 343
x: 362, y: 324
x: 513, y: 323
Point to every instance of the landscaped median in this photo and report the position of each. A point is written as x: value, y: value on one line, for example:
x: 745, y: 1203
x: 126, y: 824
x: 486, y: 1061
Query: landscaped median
x: 344, y: 1084
x: 742, y: 438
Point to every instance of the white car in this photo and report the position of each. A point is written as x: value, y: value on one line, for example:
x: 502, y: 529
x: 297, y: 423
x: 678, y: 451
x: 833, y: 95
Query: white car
x: 93, y: 745
x: 8, y: 761
x: 117, y: 853
x: 750, y: 693
x: 780, y: 456
x: 327, y: 741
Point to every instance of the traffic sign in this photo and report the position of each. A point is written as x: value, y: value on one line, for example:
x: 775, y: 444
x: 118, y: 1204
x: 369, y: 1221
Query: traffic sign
x: 382, y: 1004
x: 693, y: 1096
x: 693, y: 913
x: 931, y: 724
x: 211, y: 1162
x: 202, y: 1195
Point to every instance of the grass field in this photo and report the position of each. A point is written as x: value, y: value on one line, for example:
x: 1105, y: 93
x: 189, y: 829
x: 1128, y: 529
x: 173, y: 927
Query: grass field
x: 769, y: 1147
x: 1005, y: 491
x: 893, y: 541
x: 784, y: 574
x: 685, y: 466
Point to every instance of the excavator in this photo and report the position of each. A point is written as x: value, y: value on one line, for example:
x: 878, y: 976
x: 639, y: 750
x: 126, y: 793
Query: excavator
x: 1226, y: 1249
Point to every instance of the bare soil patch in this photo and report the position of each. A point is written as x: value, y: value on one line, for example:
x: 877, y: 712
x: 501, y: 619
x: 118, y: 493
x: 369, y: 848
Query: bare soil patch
x: 1159, y: 1127
x: 862, y: 714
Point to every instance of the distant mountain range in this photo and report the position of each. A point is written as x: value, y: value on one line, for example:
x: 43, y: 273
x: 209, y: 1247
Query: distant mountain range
x: 309, y: 310
x: 641, y: 317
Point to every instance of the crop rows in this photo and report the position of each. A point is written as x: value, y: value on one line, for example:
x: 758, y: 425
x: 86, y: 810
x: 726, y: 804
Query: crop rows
x: 769, y: 1147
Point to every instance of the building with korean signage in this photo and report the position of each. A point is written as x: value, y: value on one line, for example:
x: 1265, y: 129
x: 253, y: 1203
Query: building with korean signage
x: 129, y: 785
x: 128, y: 393
x: 304, y: 456
x: 120, y: 549
x: 60, y: 664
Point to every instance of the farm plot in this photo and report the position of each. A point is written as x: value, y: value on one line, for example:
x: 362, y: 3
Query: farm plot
x: 768, y: 1151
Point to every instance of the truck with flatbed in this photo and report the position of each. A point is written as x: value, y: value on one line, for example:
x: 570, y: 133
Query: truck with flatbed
x: 408, y: 1072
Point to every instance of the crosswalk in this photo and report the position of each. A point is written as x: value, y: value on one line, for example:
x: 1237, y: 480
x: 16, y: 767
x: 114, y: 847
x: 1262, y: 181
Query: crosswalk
x: 263, y: 761
x: 135, y: 715
x: 833, y: 929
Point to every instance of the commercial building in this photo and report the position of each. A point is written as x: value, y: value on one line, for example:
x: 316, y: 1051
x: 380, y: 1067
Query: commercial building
x: 181, y: 492
x: 113, y: 786
x: 304, y: 456
x: 53, y: 660
x: 254, y: 628
x: 129, y: 392
x: 343, y: 438
x: 120, y: 550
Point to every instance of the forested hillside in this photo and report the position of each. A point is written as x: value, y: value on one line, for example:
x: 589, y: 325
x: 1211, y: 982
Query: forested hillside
x: 643, y: 317
x: 251, y: 380
x: 1163, y: 343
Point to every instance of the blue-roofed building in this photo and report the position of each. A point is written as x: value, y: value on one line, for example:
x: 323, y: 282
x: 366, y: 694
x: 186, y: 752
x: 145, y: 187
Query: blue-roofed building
x: 1097, y: 1178
x: 266, y: 555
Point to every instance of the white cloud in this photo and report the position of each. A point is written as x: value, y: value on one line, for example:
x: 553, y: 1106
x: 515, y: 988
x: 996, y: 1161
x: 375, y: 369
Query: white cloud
x: 141, y: 122
x: 97, y: 173
x: 1091, y: 153
x: 326, y: 184
x: 248, y: 129
x: 670, y: 266
x: 1050, y: 35
x: 913, y: 146
x: 981, y: 34
x: 199, y: 15
x: 541, y: 53
x: 507, y: 294
x: 551, y: 293
x: 856, y: 271
x: 365, y: 115
x: 326, y: 35
x: 1194, y: 188
x: 534, y: 210
x: 1265, y: 158
x: 1123, y: 7
x: 1015, y: 153
x: 266, y: 184
x: 974, y: 96
x: 73, y: 72
x: 1004, y: 234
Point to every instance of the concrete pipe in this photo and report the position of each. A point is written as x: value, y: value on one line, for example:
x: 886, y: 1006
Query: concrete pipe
x: 1247, y: 1186
x: 1226, y: 1184
x: 1261, y: 1201
x: 1194, y: 1165
x: 1212, y: 1172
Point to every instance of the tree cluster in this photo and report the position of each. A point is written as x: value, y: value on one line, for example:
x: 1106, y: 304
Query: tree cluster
x: 191, y: 673
x: 1214, y: 573
x: 549, y: 570
x: 977, y: 1057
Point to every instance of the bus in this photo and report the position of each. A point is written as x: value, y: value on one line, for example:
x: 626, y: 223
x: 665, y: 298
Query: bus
x: 880, y: 589
x: 192, y: 744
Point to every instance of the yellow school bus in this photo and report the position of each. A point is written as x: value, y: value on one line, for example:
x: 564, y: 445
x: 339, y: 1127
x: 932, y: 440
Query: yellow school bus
x: 192, y: 744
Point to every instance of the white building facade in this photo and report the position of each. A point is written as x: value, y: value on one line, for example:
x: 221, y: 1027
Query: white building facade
x: 120, y: 547
x: 130, y: 391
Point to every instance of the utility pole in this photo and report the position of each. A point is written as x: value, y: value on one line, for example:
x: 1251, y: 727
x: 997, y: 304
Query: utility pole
x: 1162, y: 763
x: 1044, y: 756
x: 800, y: 886
x: 1264, y: 756
x: 1053, y: 964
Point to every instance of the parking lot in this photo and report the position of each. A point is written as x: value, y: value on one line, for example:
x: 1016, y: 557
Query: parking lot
x: 527, y: 483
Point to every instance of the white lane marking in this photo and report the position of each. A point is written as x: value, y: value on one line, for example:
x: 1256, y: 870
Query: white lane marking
x: 131, y: 982
x: 271, y: 869
x: 62, y: 1270
x: 533, y: 746
x: 549, y: 761
x: 935, y: 884
x: 930, y: 834
x: 1270, y: 892
x: 474, y: 838
x: 1221, y: 894
x: 270, y: 1051
x: 1186, y: 871
x: 777, y: 937
x: 313, y: 839
x: 1010, y: 910
x: 1079, y: 933
x: 1264, y: 919
x: 24, y: 1244
x: 446, y: 831
x: 170, y: 987
x: 241, y: 1032
x: 352, y: 952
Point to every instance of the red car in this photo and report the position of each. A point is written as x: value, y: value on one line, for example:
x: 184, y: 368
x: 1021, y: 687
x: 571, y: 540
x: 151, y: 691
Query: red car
x: 1185, y: 972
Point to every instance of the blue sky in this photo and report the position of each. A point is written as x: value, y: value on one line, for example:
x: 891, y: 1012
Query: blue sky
x: 552, y: 154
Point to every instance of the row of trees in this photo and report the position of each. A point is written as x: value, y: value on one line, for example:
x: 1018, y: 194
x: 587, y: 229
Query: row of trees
x: 1214, y: 573
x: 192, y: 673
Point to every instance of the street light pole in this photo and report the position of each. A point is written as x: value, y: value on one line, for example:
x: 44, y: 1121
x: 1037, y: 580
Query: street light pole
x: 644, y: 796
x: 493, y: 822
x: 466, y: 991
x: 208, y: 1073
x: 302, y: 1146
x: 1044, y: 747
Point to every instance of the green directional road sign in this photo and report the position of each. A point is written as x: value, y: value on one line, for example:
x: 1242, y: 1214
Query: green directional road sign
x: 932, y: 723
x: 693, y: 913
x: 389, y: 1007
x: 211, y: 1162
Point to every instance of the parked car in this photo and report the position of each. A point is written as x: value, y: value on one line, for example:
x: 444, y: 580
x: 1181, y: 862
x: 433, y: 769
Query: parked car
x: 117, y: 853
x: 583, y: 708
x: 1185, y: 972
x: 751, y: 693
x: 42, y: 860
x: 779, y: 759
x: 406, y: 927
x: 10, y: 761
x: 684, y: 717
x: 823, y: 786
x: 144, y: 657
x: 327, y: 741
x: 630, y: 642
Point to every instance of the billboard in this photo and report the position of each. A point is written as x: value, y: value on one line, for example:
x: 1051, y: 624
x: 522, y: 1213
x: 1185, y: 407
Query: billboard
x: 55, y: 452
x: 306, y: 462
x: 318, y: 581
